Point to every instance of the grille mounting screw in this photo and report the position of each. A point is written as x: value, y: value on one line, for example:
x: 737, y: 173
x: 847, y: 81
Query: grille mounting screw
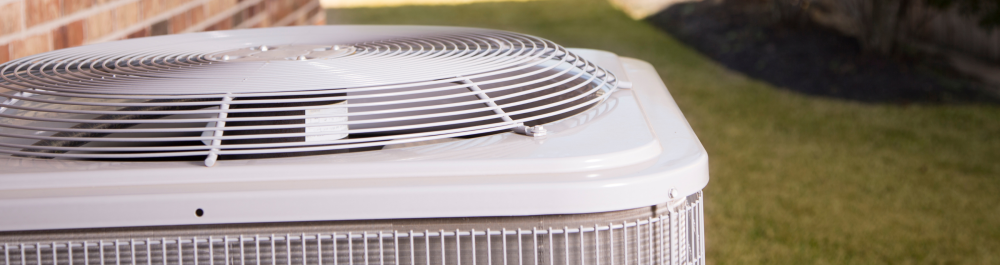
x: 535, y: 131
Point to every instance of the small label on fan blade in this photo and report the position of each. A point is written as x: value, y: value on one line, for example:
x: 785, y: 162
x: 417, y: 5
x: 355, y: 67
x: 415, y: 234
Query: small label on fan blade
x: 332, y: 132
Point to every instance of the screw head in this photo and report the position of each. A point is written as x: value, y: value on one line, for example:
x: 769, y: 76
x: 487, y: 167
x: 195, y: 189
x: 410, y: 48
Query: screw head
x: 538, y: 130
x: 673, y: 193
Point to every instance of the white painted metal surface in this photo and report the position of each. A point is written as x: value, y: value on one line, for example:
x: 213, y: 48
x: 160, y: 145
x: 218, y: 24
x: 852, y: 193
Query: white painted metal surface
x: 625, y: 149
x: 675, y: 236
x: 608, y: 158
x: 360, y: 86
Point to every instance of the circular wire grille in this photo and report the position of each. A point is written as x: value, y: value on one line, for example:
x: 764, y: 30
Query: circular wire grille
x: 287, y: 91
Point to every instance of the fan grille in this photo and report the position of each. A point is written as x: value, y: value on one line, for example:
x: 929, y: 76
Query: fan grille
x: 191, y: 96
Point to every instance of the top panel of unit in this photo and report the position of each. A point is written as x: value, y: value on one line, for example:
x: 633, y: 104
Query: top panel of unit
x: 283, y: 92
x: 610, y: 134
x: 632, y: 149
x: 284, y: 59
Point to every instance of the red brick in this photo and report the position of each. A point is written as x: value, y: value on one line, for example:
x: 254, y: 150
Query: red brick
x: 59, y: 38
x: 99, y: 25
x: 126, y: 15
x: 263, y: 24
x: 198, y: 15
x: 254, y: 10
x: 31, y: 45
x: 314, y: 12
x: 139, y: 34
x: 151, y: 8
x: 225, y: 24
x: 180, y: 22
x: 69, y: 35
x: 169, y: 4
x: 280, y: 9
x: 279, y: 14
x: 217, y: 6
x: 73, y: 6
x: 11, y: 18
x: 4, y: 53
x: 265, y: 6
x: 211, y: 7
x: 41, y: 11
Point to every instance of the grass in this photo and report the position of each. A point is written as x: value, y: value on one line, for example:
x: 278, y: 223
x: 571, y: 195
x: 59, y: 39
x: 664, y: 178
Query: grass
x: 795, y: 179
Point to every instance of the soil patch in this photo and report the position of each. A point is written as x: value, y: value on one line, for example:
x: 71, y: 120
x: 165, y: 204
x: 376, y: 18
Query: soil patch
x: 806, y: 57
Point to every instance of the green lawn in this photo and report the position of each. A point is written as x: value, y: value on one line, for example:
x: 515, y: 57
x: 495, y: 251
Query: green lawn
x: 795, y: 179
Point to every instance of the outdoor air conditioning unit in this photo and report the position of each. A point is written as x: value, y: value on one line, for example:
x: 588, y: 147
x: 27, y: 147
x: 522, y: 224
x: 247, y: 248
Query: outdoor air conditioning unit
x: 345, y: 145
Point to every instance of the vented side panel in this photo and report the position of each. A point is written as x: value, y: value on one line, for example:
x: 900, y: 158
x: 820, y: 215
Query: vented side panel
x: 674, y: 237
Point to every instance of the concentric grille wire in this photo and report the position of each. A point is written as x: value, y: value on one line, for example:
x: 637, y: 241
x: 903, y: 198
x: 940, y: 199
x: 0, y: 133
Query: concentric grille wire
x: 674, y: 236
x: 193, y: 96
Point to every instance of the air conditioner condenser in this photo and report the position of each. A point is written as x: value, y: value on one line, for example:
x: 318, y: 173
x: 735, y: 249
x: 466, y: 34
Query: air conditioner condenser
x: 350, y: 145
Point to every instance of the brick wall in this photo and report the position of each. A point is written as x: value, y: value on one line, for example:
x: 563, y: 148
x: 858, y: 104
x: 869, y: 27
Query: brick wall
x: 34, y: 26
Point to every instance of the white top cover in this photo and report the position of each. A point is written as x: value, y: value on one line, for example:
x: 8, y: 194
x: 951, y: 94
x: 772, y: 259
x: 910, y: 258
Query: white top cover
x: 631, y: 150
x: 279, y: 92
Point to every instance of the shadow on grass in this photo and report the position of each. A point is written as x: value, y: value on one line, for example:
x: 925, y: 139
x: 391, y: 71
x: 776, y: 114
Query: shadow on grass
x: 808, y: 58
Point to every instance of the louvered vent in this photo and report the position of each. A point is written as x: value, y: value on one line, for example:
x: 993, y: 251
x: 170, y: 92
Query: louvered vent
x: 311, y: 90
x: 670, y: 234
